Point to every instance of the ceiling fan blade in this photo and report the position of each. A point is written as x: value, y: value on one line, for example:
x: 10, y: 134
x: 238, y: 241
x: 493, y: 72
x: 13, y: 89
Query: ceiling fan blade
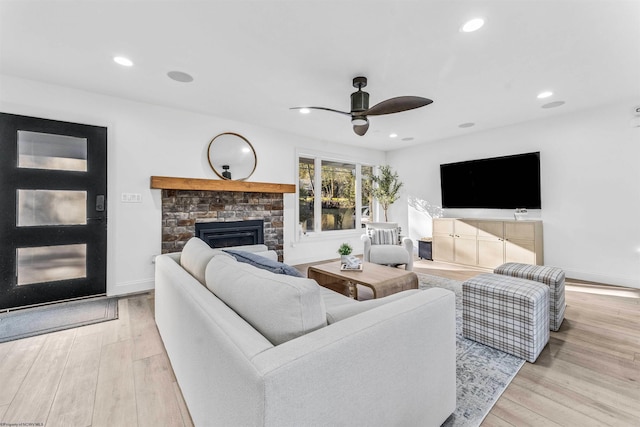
x: 321, y: 108
x: 396, y: 105
x: 361, y: 129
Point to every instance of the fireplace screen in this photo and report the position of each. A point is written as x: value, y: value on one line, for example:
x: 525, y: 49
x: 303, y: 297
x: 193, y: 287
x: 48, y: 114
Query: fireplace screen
x: 231, y: 233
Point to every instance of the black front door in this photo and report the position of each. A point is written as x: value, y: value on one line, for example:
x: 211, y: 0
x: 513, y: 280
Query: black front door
x: 53, y: 210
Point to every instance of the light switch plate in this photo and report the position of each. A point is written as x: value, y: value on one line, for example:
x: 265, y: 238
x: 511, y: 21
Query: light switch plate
x: 131, y: 198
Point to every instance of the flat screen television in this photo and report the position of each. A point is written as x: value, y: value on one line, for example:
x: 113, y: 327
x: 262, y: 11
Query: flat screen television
x: 507, y: 182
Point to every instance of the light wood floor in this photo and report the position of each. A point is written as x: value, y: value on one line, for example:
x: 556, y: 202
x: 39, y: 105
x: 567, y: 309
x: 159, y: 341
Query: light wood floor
x: 118, y: 374
x: 588, y: 374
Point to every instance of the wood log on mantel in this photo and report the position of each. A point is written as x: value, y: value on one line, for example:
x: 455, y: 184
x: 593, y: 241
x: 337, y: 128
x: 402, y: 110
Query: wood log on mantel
x: 172, y: 183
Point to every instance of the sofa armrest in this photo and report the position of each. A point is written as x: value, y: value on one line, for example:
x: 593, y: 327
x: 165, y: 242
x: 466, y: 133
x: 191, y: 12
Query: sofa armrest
x: 367, y: 247
x: 408, y: 245
x: 391, y: 365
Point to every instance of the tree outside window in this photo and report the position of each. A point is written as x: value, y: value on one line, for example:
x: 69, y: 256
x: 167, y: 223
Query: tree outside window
x: 306, y: 193
x: 334, y: 194
x: 338, y: 195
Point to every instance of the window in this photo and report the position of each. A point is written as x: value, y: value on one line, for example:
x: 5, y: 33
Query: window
x: 333, y: 195
x: 366, y: 201
x: 306, y: 193
x: 338, y: 195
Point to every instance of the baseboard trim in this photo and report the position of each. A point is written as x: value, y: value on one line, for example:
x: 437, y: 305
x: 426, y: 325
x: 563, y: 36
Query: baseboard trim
x: 131, y: 287
x: 630, y: 282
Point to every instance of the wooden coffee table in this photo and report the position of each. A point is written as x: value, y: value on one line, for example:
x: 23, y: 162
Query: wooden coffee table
x: 382, y: 280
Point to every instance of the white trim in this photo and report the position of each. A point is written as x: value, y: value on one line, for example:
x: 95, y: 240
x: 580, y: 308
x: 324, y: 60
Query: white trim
x: 631, y: 282
x: 319, y: 157
x: 133, y: 286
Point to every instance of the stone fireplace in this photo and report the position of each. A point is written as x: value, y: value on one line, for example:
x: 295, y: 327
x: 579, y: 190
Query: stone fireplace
x: 187, y: 202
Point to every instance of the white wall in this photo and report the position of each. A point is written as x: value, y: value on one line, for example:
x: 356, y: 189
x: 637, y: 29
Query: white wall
x: 590, y: 187
x: 146, y: 140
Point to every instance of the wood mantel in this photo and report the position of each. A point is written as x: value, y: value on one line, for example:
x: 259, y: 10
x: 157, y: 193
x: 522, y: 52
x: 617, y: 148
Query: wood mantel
x: 172, y: 183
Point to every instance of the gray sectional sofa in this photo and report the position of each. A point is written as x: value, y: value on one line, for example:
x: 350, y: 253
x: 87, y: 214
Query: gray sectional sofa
x: 250, y: 347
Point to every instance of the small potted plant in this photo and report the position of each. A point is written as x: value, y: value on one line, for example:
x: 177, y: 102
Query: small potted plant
x: 344, y: 250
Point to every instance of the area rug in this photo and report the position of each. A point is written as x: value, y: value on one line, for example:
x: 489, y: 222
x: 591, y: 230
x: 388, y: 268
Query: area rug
x: 482, y: 373
x: 56, y: 317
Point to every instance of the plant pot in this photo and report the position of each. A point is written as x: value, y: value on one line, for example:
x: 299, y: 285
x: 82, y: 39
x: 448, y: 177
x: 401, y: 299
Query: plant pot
x: 343, y: 259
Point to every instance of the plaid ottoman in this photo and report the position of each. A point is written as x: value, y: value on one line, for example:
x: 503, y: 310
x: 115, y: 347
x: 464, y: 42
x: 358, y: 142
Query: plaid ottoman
x: 506, y: 313
x: 550, y: 276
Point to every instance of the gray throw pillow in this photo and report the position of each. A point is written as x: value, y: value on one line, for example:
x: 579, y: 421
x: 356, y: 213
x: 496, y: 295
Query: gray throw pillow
x: 259, y: 261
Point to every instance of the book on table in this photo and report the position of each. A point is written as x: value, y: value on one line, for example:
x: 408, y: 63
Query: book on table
x: 352, y: 264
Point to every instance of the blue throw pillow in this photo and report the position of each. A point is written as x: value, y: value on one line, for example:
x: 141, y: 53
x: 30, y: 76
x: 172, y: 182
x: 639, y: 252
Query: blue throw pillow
x: 264, y: 263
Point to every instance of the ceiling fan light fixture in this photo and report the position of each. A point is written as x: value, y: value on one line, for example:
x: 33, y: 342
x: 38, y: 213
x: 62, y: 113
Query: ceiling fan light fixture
x: 359, y: 121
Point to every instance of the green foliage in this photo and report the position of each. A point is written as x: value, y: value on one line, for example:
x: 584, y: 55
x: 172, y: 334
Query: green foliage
x: 345, y: 249
x: 387, y: 188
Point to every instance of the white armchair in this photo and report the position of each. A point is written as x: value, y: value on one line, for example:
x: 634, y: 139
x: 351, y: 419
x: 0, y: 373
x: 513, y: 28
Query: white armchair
x: 382, y: 245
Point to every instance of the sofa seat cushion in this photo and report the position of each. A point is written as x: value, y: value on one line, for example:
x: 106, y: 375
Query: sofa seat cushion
x: 334, y: 299
x: 340, y: 312
x: 278, y: 306
x: 257, y: 260
x: 388, y: 255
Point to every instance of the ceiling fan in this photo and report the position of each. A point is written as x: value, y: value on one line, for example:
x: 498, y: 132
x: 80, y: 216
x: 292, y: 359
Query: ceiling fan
x: 360, y: 106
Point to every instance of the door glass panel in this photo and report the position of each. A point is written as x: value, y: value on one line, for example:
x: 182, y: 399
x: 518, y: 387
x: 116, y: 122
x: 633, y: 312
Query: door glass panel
x: 48, y: 151
x: 50, y: 263
x: 51, y: 207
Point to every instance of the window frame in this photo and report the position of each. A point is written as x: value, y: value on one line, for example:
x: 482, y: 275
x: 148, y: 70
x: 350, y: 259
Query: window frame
x: 318, y: 158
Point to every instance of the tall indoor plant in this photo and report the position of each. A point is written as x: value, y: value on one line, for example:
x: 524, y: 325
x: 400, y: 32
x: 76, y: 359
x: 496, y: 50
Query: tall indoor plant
x: 387, y: 188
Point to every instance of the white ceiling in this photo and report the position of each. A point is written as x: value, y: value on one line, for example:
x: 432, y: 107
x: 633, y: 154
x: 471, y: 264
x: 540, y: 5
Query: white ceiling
x: 252, y: 60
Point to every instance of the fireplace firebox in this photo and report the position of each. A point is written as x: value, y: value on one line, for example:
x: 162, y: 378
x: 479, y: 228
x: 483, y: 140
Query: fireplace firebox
x: 222, y: 234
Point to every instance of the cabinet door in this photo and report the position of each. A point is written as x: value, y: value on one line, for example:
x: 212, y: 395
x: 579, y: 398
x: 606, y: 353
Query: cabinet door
x: 443, y: 226
x: 491, y: 230
x: 490, y: 243
x: 443, y: 239
x: 464, y: 227
x: 515, y: 230
x: 490, y: 253
x: 522, y: 251
x: 466, y: 250
x: 443, y: 248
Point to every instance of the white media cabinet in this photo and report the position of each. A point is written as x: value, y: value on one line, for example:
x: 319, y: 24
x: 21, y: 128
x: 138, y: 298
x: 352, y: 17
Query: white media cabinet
x: 487, y: 243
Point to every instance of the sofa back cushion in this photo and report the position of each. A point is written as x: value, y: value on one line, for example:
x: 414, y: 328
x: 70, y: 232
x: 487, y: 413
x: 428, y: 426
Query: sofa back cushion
x: 278, y: 306
x: 195, y: 256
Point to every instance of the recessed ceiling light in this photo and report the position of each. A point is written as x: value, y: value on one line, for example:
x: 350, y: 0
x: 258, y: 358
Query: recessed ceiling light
x: 180, y: 76
x: 466, y: 125
x: 553, y: 104
x: 545, y: 94
x: 393, y: 135
x: 472, y: 25
x: 123, y: 61
x: 305, y: 111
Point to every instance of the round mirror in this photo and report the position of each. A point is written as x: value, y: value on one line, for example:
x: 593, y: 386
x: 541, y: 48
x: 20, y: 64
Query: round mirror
x: 231, y: 156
